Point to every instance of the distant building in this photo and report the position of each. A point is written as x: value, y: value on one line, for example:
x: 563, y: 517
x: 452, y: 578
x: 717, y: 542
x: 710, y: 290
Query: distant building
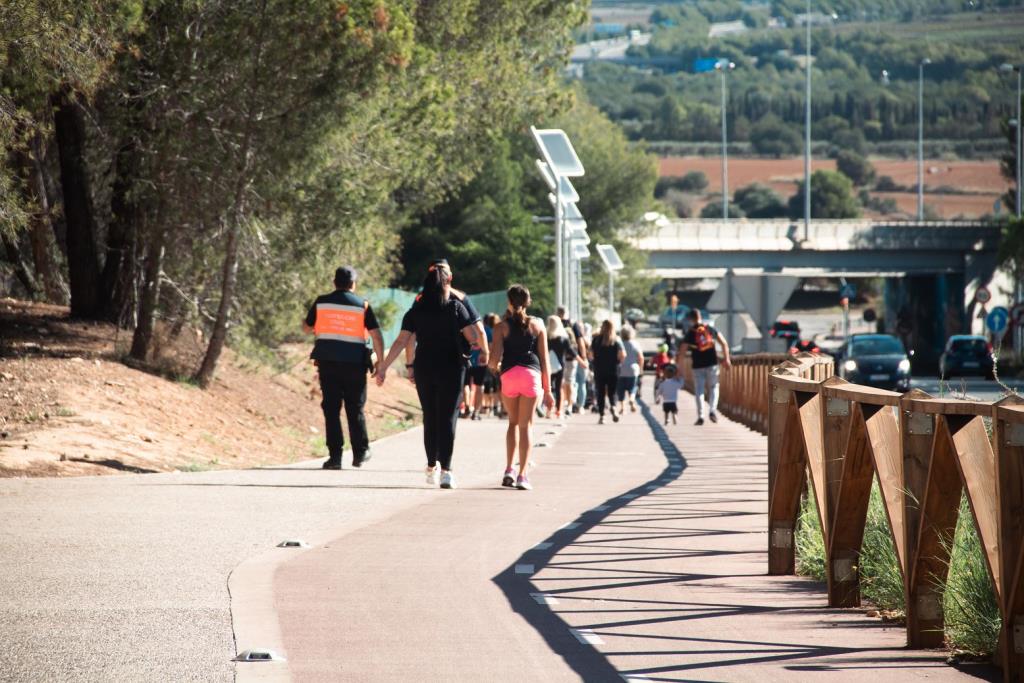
x: 724, y: 28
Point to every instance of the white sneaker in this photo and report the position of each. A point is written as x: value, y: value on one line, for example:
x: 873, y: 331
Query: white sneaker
x: 432, y: 475
x: 448, y: 480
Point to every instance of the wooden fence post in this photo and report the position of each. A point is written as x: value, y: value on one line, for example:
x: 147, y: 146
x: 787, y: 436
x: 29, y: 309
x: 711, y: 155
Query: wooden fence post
x: 1008, y: 433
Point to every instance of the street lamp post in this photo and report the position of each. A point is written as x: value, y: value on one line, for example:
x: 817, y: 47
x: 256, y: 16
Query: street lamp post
x: 920, y: 137
x: 723, y: 66
x: 807, y: 130
x: 1017, y: 148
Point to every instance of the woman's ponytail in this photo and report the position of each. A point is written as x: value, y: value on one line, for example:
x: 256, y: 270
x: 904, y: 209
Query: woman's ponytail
x: 518, y: 299
x: 433, y: 286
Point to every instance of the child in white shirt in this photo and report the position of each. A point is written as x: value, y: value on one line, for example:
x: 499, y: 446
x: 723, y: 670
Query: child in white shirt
x: 668, y: 392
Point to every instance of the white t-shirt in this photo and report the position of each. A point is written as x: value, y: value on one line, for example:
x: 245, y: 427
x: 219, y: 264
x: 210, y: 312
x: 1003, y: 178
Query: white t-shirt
x: 669, y: 390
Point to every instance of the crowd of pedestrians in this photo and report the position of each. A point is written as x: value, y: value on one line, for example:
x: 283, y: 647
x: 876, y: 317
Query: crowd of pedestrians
x: 508, y: 365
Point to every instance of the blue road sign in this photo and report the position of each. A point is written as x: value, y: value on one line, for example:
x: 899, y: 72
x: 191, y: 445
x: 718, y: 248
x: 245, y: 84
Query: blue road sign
x: 997, y: 319
x: 847, y: 291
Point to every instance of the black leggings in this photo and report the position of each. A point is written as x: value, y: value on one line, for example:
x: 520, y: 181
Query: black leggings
x: 605, y: 384
x: 556, y: 388
x: 440, y: 392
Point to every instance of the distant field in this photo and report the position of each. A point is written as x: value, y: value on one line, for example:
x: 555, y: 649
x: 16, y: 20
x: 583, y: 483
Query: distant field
x: 981, y: 178
x: 1007, y: 25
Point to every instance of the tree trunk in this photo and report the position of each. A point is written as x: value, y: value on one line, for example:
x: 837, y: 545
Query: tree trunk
x: 142, y: 340
x: 41, y: 235
x: 21, y: 269
x: 119, y: 268
x: 229, y: 276
x: 83, y: 266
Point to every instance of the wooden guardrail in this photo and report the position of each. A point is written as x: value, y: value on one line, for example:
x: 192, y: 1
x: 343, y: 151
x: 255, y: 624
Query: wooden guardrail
x: 925, y: 452
x: 743, y: 388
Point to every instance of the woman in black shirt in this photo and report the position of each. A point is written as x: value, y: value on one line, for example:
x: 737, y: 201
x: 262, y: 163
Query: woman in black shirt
x: 606, y: 352
x: 436, y: 324
x: 520, y: 351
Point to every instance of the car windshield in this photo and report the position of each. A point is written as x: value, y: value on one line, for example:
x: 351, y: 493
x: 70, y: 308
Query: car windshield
x: 876, y: 346
x: 968, y: 345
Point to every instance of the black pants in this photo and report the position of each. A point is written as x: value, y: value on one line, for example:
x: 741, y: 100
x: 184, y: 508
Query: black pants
x: 556, y: 388
x: 605, y: 384
x: 344, y: 383
x: 440, y: 391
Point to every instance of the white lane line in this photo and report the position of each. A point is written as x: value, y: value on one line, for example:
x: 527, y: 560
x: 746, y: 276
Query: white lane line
x: 544, y: 599
x: 524, y: 569
x: 586, y: 636
x: 541, y: 546
x: 569, y: 527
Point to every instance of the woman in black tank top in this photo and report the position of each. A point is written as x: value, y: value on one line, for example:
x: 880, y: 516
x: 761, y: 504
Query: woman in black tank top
x: 520, y: 351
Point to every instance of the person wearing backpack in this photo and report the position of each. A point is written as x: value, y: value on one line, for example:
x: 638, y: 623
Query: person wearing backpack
x: 700, y: 339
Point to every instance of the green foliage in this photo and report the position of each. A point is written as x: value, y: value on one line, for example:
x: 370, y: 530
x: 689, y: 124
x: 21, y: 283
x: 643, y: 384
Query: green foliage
x: 969, y: 602
x: 856, y: 168
x: 1011, y: 249
x: 771, y: 137
x: 693, y: 181
x: 713, y: 209
x: 831, y: 197
x: 760, y: 201
x: 966, y: 97
x: 679, y: 203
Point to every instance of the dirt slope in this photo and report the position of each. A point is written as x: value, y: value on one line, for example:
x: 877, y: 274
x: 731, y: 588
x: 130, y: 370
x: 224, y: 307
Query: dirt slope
x: 69, y: 406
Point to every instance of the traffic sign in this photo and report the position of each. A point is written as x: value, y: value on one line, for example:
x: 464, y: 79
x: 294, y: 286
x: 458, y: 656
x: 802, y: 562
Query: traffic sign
x: 997, y: 319
x: 982, y: 295
x: 847, y: 291
x: 1017, y: 314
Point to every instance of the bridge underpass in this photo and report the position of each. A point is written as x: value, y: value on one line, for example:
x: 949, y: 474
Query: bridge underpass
x: 931, y: 270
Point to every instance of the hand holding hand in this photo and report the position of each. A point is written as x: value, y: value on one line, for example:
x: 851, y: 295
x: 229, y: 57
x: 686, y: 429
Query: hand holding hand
x: 379, y: 377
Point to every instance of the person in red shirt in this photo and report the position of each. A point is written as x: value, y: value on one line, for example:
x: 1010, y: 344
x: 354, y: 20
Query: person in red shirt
x: 660, y: 360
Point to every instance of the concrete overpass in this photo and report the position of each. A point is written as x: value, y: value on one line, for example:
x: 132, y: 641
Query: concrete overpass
x: 931, y: 269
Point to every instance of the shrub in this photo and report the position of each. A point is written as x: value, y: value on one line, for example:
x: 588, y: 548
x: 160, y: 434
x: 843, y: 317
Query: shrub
x: 855, y: 167
x: 771, y: 137
x: 760, y: 201
x: 694, y: 181
x: 887, y: 184
x: 679, y: 202
x: 713, y: 209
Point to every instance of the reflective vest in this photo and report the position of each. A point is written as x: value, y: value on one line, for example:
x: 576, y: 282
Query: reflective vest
x: 341, y: 322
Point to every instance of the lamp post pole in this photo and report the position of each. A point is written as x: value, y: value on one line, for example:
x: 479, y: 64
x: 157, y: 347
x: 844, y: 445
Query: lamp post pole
x: 920, y: 137
x: 559, y: 219
x: 1018, y: 150
x: 722, y: 66
x: 807, y: 130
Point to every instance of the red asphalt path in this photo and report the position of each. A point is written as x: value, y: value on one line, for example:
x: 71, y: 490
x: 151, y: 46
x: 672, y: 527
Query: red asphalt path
x: 659, y: 575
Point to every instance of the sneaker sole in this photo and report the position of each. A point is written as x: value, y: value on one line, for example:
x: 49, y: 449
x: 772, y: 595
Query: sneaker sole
x: 508, y: 481
x: 524, y: 488
x: 446, y: 486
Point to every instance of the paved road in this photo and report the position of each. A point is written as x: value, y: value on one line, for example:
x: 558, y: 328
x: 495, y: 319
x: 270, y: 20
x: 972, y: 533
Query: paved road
x: 973, y: 388
x: 639, y: 554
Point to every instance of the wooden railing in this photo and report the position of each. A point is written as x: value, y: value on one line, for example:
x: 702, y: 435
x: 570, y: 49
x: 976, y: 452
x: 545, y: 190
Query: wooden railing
x: 925, y: 452
x: 743, y: 388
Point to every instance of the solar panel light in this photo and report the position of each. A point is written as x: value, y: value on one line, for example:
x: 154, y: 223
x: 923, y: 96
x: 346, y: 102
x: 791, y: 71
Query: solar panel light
x: 609, y: 258
x: 558, y: 152
x: 580, y: 251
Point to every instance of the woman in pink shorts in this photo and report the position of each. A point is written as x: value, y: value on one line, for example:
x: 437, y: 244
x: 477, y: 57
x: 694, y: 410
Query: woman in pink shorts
x: 520, y: 350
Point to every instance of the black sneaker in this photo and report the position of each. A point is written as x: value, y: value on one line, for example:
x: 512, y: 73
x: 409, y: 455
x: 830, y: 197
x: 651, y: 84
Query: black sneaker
x: 332, y: 464
x: 358, y: 460
x: 699, y: 422
x: 713, y: 417
x: 615, y: 418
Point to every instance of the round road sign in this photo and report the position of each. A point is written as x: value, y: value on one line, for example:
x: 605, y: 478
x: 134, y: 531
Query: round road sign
x: 982, y: 295
x: 869, y: 315
x: 997, y: 319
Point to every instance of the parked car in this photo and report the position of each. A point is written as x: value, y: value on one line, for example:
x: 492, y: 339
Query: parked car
x: 786, y: 329
x: 804, y: 346
x: 877, y: 360
x: 966, y: 355
x: 634, y: 316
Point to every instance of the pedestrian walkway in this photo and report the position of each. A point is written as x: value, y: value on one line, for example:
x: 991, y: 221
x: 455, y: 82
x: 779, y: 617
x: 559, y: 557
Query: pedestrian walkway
x: 640, y: 554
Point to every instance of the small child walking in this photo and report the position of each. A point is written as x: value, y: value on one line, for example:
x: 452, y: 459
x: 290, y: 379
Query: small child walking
x: 668, y: 392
